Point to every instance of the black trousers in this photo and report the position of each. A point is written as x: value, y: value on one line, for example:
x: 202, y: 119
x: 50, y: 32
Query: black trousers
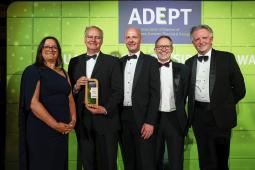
x: 170, y: 132
x: 213, y: 143
x: 137, y: 153
x: 98, y: 151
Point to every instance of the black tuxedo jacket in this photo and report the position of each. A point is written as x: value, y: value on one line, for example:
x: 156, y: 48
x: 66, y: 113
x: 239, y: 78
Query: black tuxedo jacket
x: 145, y: 90
x: 226, y: 87
x: 107, y: 72
x: 180, y: 85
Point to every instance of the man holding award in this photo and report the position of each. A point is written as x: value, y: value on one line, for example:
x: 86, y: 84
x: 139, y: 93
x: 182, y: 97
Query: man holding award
x: 97, y: 87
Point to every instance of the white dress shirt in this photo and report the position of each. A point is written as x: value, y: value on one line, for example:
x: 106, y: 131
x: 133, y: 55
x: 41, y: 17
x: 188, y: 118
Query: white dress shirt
x: 129, y: 73
x: 202, y: 79
x: 167, y: 101
x: 90, y: 64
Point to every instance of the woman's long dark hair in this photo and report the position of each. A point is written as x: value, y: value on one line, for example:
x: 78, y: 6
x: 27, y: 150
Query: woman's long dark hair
x: 39, y: 58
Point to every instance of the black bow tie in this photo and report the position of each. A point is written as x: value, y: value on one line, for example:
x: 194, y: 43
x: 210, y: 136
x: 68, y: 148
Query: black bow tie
x: 201, y: 58
x: 164, y: 64
x: 93, y: 57
x: 132, y: 57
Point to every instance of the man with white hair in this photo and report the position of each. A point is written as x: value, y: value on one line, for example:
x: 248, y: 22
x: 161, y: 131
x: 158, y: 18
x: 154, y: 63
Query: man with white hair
x: 216, y: 86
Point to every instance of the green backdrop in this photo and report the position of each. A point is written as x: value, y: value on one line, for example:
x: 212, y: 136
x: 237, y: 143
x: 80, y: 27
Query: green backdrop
x: 233, y: 23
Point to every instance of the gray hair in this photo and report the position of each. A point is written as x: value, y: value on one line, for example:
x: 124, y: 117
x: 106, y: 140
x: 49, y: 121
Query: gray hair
x: 93, y: 27
x: 199, y: 27
x: 163, y: 36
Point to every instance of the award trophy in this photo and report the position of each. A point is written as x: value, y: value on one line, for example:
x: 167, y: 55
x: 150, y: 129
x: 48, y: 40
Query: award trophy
x: 91, y: 93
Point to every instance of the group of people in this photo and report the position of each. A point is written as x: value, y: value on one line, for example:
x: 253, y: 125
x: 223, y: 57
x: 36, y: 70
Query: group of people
x: 141, y: 107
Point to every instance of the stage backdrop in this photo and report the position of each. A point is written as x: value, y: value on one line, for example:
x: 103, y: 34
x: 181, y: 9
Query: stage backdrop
x: 233, y: 24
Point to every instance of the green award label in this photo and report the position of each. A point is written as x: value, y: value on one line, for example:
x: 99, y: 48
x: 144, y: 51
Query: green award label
x: 91, y: 93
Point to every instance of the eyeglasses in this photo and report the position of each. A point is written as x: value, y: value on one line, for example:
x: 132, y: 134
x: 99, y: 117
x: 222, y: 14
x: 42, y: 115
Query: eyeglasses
x: 48, y: 48
x: 90, y: 37
x: 161, y: 47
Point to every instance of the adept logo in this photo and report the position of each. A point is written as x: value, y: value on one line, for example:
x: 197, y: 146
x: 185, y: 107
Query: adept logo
x: 171, y: 18
x: 159, y: 16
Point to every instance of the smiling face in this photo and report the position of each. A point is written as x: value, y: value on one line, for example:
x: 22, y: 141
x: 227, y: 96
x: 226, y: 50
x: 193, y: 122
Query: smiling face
x: 93, y: 40
x: 133, y: 40
x: 50, y: 51
x: 164, y: 49
x: 202, y: 40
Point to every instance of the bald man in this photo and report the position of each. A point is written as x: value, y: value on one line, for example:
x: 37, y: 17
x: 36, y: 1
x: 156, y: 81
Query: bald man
x: 140, y: 106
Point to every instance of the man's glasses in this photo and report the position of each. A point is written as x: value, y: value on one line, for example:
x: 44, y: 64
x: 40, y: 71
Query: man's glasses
x: 161, y: 47
x: 48, y: 48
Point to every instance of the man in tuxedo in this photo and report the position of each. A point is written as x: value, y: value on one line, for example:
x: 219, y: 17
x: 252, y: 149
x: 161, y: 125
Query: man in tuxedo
x: 97, y: 128
x: 140, y: 106
x: 216, y: 86
x: 173, y: 119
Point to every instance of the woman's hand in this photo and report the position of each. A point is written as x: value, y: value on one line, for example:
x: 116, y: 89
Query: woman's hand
x: 72, y: 123
x: 63, y: 128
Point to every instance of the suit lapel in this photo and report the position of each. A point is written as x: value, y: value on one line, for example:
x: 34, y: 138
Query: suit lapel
x: 97, y: 65
x: 212, y: 74
x: 82, y: 65
x: 176, y: 77
x: 193, y: 74
x: 123, y: 64
x: 138, y: 70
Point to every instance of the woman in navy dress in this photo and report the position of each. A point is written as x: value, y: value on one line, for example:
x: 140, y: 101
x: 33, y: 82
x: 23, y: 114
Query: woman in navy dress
x: 47, y: 111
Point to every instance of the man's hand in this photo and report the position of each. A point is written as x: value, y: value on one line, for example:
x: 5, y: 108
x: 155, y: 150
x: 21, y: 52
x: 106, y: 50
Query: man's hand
x: 97, y: 109
x: 147, y: 130
x: 80, y: 82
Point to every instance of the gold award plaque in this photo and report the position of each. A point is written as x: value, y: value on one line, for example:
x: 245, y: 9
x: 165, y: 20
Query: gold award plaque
x: 91, y: 93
